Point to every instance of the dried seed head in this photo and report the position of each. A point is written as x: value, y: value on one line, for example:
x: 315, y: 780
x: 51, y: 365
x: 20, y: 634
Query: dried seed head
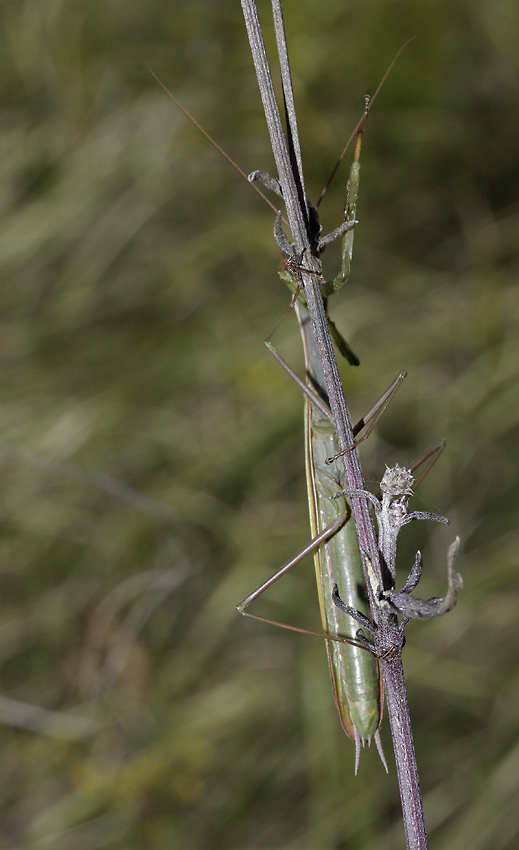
x: 397, y: 481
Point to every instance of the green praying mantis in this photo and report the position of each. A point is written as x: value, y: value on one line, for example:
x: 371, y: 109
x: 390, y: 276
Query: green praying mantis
x: 354, y: 667
x: 354, y: 670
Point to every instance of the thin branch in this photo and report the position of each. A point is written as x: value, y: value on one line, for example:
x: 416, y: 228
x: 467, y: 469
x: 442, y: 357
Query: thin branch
x: 275, y: 127
x: 389, y: 636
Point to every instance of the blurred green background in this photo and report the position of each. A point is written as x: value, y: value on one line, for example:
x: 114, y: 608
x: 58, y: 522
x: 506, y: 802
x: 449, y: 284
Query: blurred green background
x: 151, y: 450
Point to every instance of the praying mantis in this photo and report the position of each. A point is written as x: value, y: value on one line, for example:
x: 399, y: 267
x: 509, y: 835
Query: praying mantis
x: 353, y: 664
x: 354, y: 670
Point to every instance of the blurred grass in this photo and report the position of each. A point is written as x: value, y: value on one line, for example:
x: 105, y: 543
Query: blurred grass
x: 151, y: 452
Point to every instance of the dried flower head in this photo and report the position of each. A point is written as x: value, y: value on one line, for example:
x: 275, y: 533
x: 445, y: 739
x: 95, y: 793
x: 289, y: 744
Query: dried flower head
x: 397, y: 481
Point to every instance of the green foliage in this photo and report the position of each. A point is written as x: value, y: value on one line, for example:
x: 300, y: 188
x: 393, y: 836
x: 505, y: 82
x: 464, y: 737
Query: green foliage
x: 151, y: 452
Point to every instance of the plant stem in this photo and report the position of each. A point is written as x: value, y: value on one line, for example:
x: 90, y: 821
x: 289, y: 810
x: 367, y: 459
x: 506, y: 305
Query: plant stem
x: 388, y: 636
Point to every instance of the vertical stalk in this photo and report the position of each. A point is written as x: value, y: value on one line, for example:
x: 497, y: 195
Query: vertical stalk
x: 388, y: 637
x: 405, y: 758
